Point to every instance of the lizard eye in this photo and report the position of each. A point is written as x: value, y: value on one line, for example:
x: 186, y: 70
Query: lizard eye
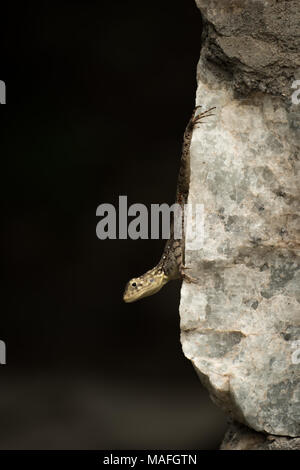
x: 133, y: 284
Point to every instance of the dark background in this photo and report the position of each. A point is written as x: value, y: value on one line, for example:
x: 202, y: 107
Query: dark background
x: 98, y: 96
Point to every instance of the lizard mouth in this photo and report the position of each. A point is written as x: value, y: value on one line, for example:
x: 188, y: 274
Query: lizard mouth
x: 128, y: 299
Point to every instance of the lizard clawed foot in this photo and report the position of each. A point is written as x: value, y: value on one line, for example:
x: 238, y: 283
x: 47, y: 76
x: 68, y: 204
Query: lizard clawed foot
x: 186, y: 277
x: 200, y: 116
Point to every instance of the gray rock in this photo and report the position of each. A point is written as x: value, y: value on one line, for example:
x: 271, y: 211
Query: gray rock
x: 240, y: 322
x: 239, y: 437
x: 252, y: 45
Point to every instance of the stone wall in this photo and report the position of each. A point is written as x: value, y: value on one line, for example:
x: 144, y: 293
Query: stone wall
x: 240, y: 322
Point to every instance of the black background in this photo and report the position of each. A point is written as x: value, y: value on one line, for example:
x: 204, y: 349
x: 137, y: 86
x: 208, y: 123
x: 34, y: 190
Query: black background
x: 98, y: 96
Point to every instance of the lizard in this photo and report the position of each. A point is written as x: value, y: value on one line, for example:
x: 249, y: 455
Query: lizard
x: 171, y: 264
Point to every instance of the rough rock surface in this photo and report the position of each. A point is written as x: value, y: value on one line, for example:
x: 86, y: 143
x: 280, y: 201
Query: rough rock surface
x: 253, y: 45
x: 239, y: 437
x: 240, y: 323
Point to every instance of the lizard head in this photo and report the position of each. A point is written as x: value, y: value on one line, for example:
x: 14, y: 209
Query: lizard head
x: 147, y: 284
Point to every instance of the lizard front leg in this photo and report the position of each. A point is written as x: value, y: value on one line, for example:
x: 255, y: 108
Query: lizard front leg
x: 185, y: 276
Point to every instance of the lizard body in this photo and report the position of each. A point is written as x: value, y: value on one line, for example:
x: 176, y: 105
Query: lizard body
x: 171, y: 265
